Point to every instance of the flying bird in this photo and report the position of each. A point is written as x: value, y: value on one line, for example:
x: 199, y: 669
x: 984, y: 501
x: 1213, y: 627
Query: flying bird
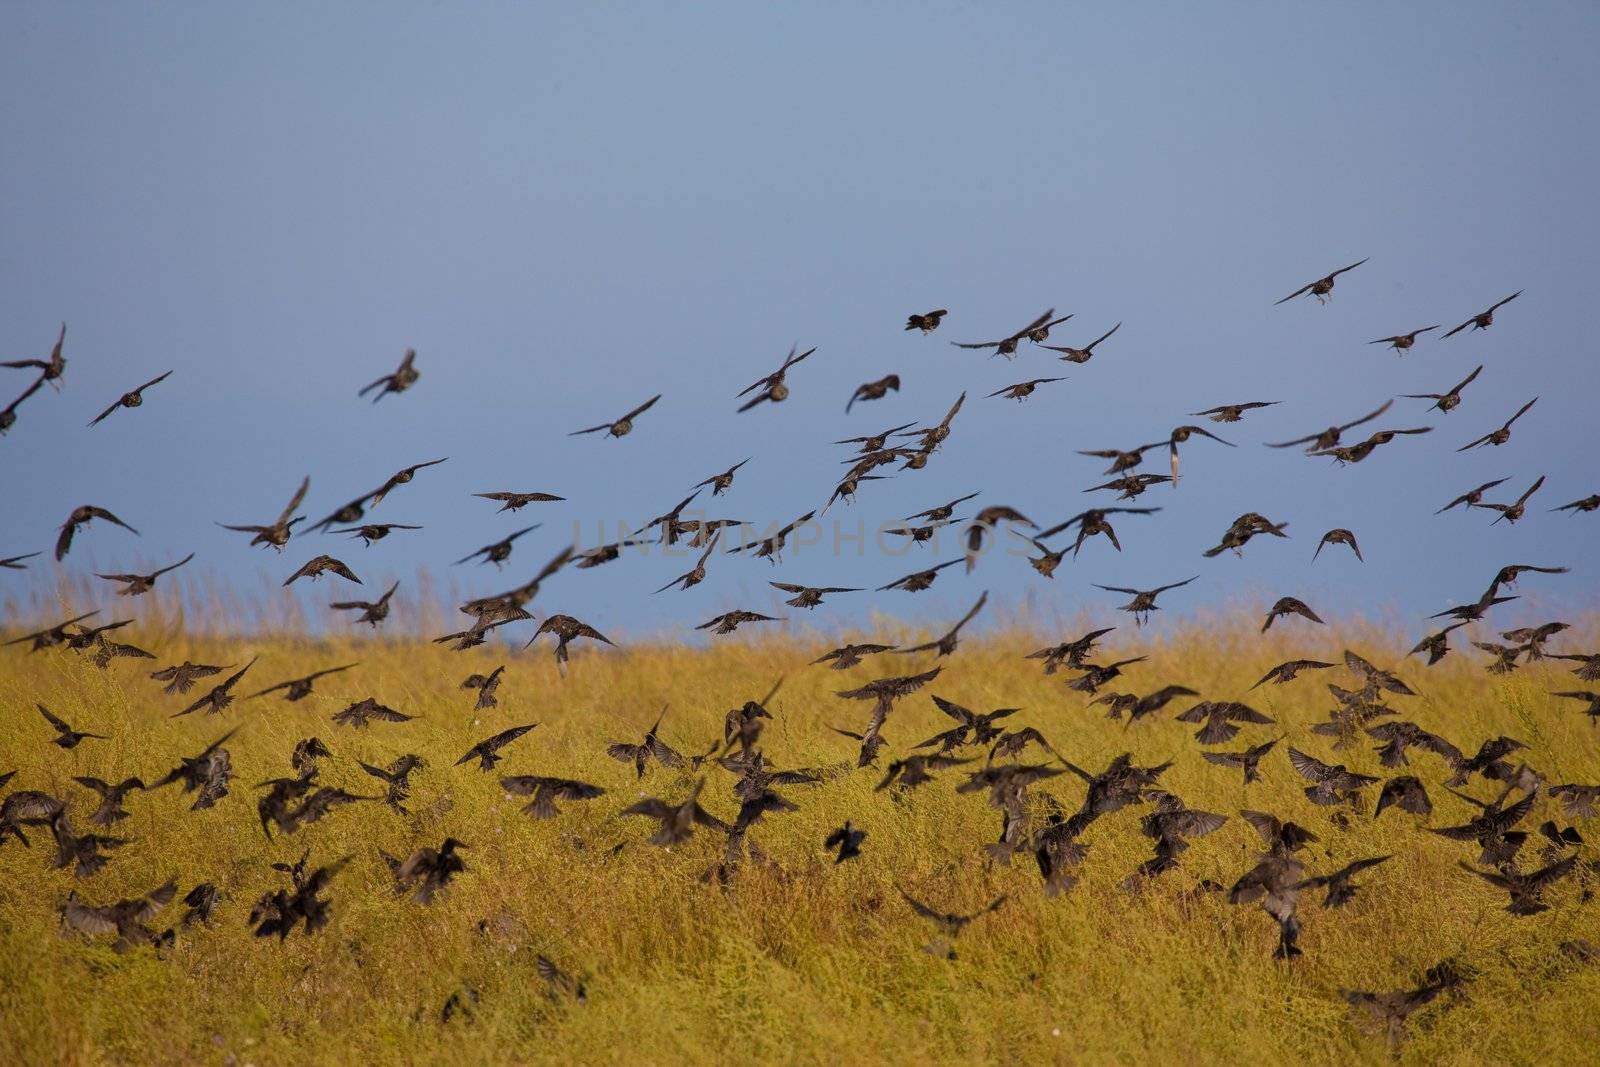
x: 403, y: 378
x: 1326, y: 439
x: 139, y: 584
x: 1447, y: 402
x: 132, y: 399
x: 1339, y: 536
x: 317, y: 566
x: 1233, y: 412
x: 1322, y: 288
x: 623, y: 426
x: 927, y: 322
x: 1402, y: 342
x: 510, y: 501
x: 773, y: 387
x: 1484, y: 319
x: 82, y: 516
x: 487, y: 751
x: 277, y: 534
x: 876, y: 390
x: 1007, y: 346
x: 1499, y: 436
x: 1082, y: 355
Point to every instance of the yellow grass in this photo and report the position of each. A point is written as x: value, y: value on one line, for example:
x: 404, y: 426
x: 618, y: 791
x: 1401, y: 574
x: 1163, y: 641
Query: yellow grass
x: 801, y: 963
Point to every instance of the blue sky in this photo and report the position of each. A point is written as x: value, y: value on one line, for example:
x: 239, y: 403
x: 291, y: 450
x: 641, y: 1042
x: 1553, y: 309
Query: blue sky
x: 567, y: 209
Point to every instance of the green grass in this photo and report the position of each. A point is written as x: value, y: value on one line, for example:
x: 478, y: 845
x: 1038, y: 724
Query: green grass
x: 800, y: 962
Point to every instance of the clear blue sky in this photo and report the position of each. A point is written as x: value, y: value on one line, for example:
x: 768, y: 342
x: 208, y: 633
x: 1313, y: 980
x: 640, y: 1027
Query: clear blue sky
x: 568, y: 208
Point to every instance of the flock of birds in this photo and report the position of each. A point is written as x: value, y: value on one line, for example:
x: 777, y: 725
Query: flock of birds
x: 994, y: 759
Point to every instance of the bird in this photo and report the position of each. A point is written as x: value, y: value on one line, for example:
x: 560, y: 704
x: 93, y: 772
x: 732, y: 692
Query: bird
x: 1219, y: 718
x: 278, y: 533
x: 1326, y: 439
x: 1343, y: 454
x: 1092, y: 522
x: 1389, y: 1012
x: 847, y: 840
x: 1513, y: 511
x: 942, y: 512
x: 696, y: 574
x: 1527, y: 890
x: 126, y: 918
x: 1082, y: 355
x: 396, y: 778
x: 1233, y: 412
x: 427, y: 871
x: 486, y: 752
x: 1592, y: 700
x: 498, y: 552
x: 545, y: 791
x: 1338, y: 536
x: 82, y: 516
x: 913, y: 771
x: 14, y: 563
x: 1448, y: 401
x: 927, y: 322
x: 952, y: 923
x: 1331, y: 783
x: 1471, y: 497
x: 1144, y: 600
x: 1503, y: 434
x: 296, y: 689
x: 809, y: 596
x: 875, y: 442
x: 847, y: 656
x: 181, y: 677
x: 652, y: 747
x: 220, y: 696
x: 50, y: 370
x: 677, y: 821
x: 360, y: 714
x: 946, y: 644
x: 403, y: 378
x: 1341, y: 889
x: 770, y: 548
x: 1402, y: 342
x: 1405, y: 792
x: 1249, y: 761
x: 1399, y: 735
x: 875, y: 390
x: 917, y: 581
x: 375, y: 531
x: 1484, y: 319
x: 1023, y: 390
x: 50, y: 636
x: 566, y: 630
x: 131, y: 399
x: 1322, y: 287
x: 8, y: 415
x: 1288, y: 671
x: 66, y: 736
x: 623, y: 426
x: 721, y: 483
x: 511, y: 501
x: 774, y: 387
x: 207, y: 774
x: 139, y: 584
x: 730, y: 621
x: 1588, y: 503
x: 1007, y: 346
x: 372, y: 612
x: 971, y: 727
x: 400, y: 478
x: 317, y: 566
x: 1289, y: 605
x: 485, y: 685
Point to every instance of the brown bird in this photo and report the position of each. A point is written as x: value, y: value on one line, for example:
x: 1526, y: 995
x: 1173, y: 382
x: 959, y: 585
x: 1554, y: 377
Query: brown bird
x: 487, y: 751
x: 697, y: 574
x: 566, y: 630
x: 874, y: 390
x: 1144, y: 600
x: 721, y: 483
x: 397, y: 778
x: 1388, y: 1012
x: 14, y: 563
x: 510, y: 501
x: 941, y: 513
x: 1248, y: 761
x: 1355, y: 453
x: 372, y: 612
x: 850, y: 655
x: 360, y: 714
x: 677, y: 820
x: 1328, y: 438
x: 498, y: 552
x: 1233, y: 412
x: 1341, y: 888
x: 317, y: 566
x: 1096, y: 675
x: 1289, y: 605
x: 1082, y: 355
x: 623, y: 426
x: 403, y: 378
x: 1471, y: 497
x: 50, y: 369
x: 913, y: 771
x: 50, y: 636
x: 400, y: 478
x: 730, y: 621
x: 947, y: 644
x: 1331, y: 783
x: 934, y: 436
x: 1242, y: 530
x: 220, y: 695
x: 1007, y: 346
x: 984, y: 522
x: 66, y: 736
x: 1322, y: 287
x: 952, y: 923
x: 277, y: 534
x: 1182, y: 434
x: 875, y: 442
x: 8, y: 416
x: 1047, y: 560
x: 427, y: 871
x: 1400, y: 735
x: 125, y: 918
x: 1484, y: 319
x: 111, y: 796
x: 652, y: 747
x: 770, y: 548
x: 1406, y: 793
x: 1588, y: 503
x: 1514, y: 511
x: 131, y: 399
x: 1527, y: 890
x: 1094, y: 522
x: 1448, y: 401
x: 927, y: 322
x: 208, y: 772
x: 486, y: 686
x: 1288, y: 671
x: 773, y: 387
x: 1503, y: 434
x: 809, y: 596
x: 917, y: 581
x: 296, y: 689
x: 1121, y: 460
x: 1219, y: 717
x: 181, y: 678
x: 1592, y: 710
x: 1402, y: 342
x: 1131, y: 485
x: 546, y: 791
x: 1023, y: 390
x: 375, y: 531
x: 82, y: 516
x: 1339, y: 536
x: 139, y: 584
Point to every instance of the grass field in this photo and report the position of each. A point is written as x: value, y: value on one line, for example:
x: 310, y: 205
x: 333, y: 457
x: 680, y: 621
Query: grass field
x: 799, y: 960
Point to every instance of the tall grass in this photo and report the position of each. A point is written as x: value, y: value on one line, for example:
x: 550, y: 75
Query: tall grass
x: 799, y: 961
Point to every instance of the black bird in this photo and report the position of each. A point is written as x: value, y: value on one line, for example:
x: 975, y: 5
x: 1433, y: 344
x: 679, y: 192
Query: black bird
x: 1249, y: 761
x: 1007, y: 346
x: 139, y: 584
x: 1322, y: 287
x: 652, y: 747
x: 208, y: 773
x: 546, y: 791
x: 1094, y: 522
x: 1341, y: 890
x: 917, y: 581
x: 677, y: 820
x: 1402, y: 342
x: 375, y: 531
x: 730, y: 621
x: 809, y: 596
x: 51, y: 636
x: 220, y: 695
x: 82, y: 516
x: 1233, y: 412
x: 1514, y: 511
x: 875, y: 390
x: 770, y: 548
x: 1448, y: 401
x: 1023, y: 390
x: 1328, y: 438
x: 1082, y: 355
x: 1144, y: 600
x: 945, y: 645
x: 67, y: 737
x: 181, y: 678
x: 400, y: 478
x: 372, y: 612
x: 951, y: 923
x: 299, y: 688
x: 1471, y: 497
x: 1339, y: 536
x: 1503, y: 434
x: 927, y: 322
x: 510, y: 501
x: 1331, y: 783
x: 486, y: 685
x: 279, y: 912
x: 1588, y: 503
x: 1484, y: 319
x: 125, y: 918
x: 486, y: 752
x: 1219, y: 718
x: 566, y: 630
x: 397, y: 779
x: 913, y: 771
x: 498, y: 552
x: 721, y: 483
x: 848, y: 656
x: 875, y: 442
x: 773, y: 387
x: 1288, y: 671
x: 403, y: 378
x: 847, y: 839
x: 1389, y: 1011
x: 1289, y: 605
x: 1406, y: 793
x: 427, y: 871
x: 360, y: 714
x: 1527, y: 890
x: 131, y: 399
x: 277, y: 534
x: 623, y: 426
x: 696, y: 574
x: 50, y: 370
x: 941, y: 513
x: 8, y: 416
x: 317, y: 566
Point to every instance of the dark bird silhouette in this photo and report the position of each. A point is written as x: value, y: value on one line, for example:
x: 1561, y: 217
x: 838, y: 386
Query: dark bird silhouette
x: 1093, y: 522
x: 1249, y: 761
x: 1503, y: 434
x: 403, y: 378
x: 730, y: 621
x: 874, y: 390
x: 299, y: 688
x: 913, y: 771
x: 1448, y: 401
x: 51, y: 636
x: 66, y: 736
x: 396, y: 778
x: 941, y: 513
x: 847, y: 840
x: 1289, y: 605
x: 847, y: 656
x: 200, y: 902
x: 280, y: 911
x: 1592, y: 699
x: 375, y: 531
x: 1527, y: 890
x: 677, y: 820
x: 125, y: 918
x: 697, y: 574
x: 139, y: 584
x: 945, y: 645
x: 1588, y: 503
x: 486, y: 752
x: 1007, y: 346
x: 486, y: 686
x: 1405, y: 792
x: 1331, y: 783
x: 360, y: 714
x: 1492, y: 829
x: 652, y: 747
x: 14, y: 563
x: 219, y: 696
x: 770, y: 548
x: 181, y: 678
x: 1400, y: 735
x: 50, y: 370
x: 1219, y: 718
x: 546, y: 791
x: 721, y: 483
x: 372, y: 612
x: 1130, y: 486
x: 1402, y: 342
x: 1023, y: 390
x: 567, y: 630
x: 400, y: 478
x: 510, y: 501
x: 971, y: 727
x: 1288, y: 671
x: 774, y: 386
x: 1515, y: 510
x: 875, y: 442
x: 1341, y: 889
x: 1082, y: 355
x: 317, y: 566
x: 1096, y: 675
x: 1326, y: 439
x: 1343, y: 454
x: 1484, y: 319
x: 427, y: 871
x: 498, y: 552
x: 1322, y: 288
x: 1388, y: 1012
x: 1144, y: 600
x: 623, y: 426
x: 1233, y: 412
x: 81, y: 516
x: 1471, y: 497
x: 809, y: 596
x: 8, y: 415
x: 917, y: 581
x: 1339, y: 536
x: 277, y: 534
x: 132, y: 399
x: 207, y: 773
x: 949, y: 922
x: 927, y: 322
